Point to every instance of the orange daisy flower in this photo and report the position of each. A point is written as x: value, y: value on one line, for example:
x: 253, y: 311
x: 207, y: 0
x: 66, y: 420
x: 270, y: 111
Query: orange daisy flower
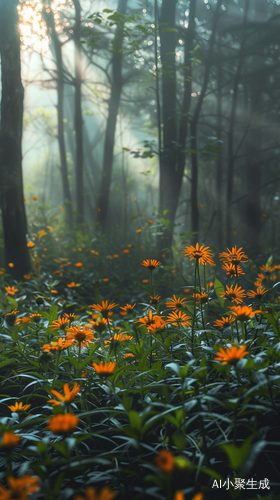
x: 157, y: 326
x: 10, y: 439
x: 151, y: 263
x: 11, y: 317
x: 69, y: 395
x: 59, y: 324
x: 83, y: 337
x: 30, y: 244
x: 176, y: 303
x: 35, y: 317
x: 99, y: 326
x: 234, y: 256
x: 165, y: 461
x: 202, y: 297
x: 231, y: 270
x: 224, y: 321
x: 202, y: 254
x: 19, y: 488
x: 178, y: 318
x: 148, y: 320
x: 235, y: 294
x: 127, y: 309
x: 57, y: 346
x: 91, y: 494
x: 155, y: 299
x: 23, y: 320
x: 103, y: 308
x: 231, y: 356
x: 11, y: 290
x: 243, y: 313
x: 63, y: 423
x: 18, y: 407
x: 105, y: 370
x: 258, y: 294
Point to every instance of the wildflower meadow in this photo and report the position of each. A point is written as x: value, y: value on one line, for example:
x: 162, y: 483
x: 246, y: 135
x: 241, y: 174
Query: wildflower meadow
x: 124, y: 377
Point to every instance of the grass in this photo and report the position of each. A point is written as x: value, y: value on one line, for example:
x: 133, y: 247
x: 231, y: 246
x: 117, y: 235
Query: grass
x: 173, y: 416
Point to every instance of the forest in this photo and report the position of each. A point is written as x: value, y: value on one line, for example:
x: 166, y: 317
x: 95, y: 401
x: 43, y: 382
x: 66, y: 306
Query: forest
x: 139, y: 254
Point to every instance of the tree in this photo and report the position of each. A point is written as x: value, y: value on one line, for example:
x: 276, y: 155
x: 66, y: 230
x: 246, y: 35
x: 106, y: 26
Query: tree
x: 12, y: 203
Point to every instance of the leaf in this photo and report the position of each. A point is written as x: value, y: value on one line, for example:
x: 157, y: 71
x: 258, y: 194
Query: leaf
x: 12, y: 301
x: 219, y: 287
x: 237, y: 454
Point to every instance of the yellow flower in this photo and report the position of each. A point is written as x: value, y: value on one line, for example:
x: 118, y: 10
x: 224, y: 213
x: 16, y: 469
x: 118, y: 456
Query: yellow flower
x: 18, y: 407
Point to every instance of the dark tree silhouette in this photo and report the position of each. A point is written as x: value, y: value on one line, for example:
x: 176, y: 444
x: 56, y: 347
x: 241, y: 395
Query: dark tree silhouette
x: 12, y: 203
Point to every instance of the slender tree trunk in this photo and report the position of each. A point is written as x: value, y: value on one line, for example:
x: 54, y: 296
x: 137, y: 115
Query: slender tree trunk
x: 114, y: 102
x: 194, y: 123
x: 12, y: 204
x: 219, y: 164
x: 79, y: 164
x: 57, y: 48
x: 168, y: 155
x: 231, y: 156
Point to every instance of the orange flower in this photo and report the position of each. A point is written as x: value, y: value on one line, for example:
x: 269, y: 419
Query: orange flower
x: 243, y: 313
x: 10, y: 439
x: 149, y: 221
x: 63, y: 423
x: 138, y: 231
x: 125, y: 250
x: 148, y: 320
x: 179, y: 495
x: 78, y: 264
x: 128, y: 355
x: 20, y: 488
x: 99, y: 326
x: 178, y: 318
x: 176, y: 302
x: 235, y: 294
x: 83, y: 337
x: 151, y: 263
x: 165, y: 461
x: 58, y: 346
x: 35, y: 317
x: 202, y: 297
x: 198, y: 496
x: 11, y: 317
x: 27, y: 276
x: 234, y: 256
x: 104, y: 308
x: 23, y: 320
x: 91, y: 494
x: 224, y: 321
x: 157, y: 326
x: 11, y: 264
x: 232, y: 270
x: 145, y: 281
x: 258, y: 294
x: 30, y: 244
x: 59, y: 324
x: 72, y: 284
x: 200, y: 253
x: 11, y: 290
x: 155, y: 299
x: 18, y: 407
x: 69, y: 395
x: 128, y: 308
x: 105, y: 370
x: 231, y: 356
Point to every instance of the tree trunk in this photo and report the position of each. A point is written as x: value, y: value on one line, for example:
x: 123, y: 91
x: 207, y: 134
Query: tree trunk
x: 219, y: 164
x: 60, y: 113
x: 79, y: 164
x: 231, y: 156
x: 12, y: 204
x: 194, y: 123
x: 114, y: 101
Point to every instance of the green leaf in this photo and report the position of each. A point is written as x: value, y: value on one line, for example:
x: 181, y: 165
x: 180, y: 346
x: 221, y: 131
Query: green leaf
x: 237, y: 454
x: 12, y: 301
x: 219, y: 287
